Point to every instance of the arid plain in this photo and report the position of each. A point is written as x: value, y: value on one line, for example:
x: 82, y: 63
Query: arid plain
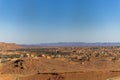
x: 59, y: 63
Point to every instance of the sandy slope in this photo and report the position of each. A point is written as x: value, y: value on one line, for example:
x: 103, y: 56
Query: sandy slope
x: 50, y: 69
x: 7, y: 77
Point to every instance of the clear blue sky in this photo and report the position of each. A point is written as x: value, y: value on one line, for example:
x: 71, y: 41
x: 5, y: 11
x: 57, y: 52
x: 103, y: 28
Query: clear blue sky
x: 44, y: 21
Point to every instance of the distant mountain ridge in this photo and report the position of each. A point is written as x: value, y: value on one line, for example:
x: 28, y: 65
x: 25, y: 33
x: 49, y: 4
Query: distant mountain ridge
x: 74, y: 44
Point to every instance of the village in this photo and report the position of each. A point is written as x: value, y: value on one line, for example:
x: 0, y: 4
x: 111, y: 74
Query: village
x: 76, y: 54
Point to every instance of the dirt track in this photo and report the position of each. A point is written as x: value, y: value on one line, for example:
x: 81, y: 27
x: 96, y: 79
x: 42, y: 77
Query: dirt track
x: 65, y: 76
x: 73, y: 76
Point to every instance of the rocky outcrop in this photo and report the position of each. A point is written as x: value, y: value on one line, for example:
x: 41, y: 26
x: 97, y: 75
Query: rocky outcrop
x: 8, y: 46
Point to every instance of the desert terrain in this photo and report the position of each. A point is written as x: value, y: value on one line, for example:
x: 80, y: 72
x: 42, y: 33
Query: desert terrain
x: 59, y: 63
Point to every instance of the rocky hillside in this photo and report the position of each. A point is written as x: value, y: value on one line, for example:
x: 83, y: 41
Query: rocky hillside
x: 8, y: 46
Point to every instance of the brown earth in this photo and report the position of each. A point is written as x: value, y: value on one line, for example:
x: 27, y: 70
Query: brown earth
x: 8, y: 46
x: 50, y: 69
x: 86, y: 64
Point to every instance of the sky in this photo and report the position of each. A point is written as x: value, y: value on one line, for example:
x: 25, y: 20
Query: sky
x: 49, y: 21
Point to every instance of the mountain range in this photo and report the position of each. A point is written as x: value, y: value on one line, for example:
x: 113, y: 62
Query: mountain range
x: 74, y: 44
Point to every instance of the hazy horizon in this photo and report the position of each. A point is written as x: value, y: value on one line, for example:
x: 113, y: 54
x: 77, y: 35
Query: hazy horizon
x: 52, y: 21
